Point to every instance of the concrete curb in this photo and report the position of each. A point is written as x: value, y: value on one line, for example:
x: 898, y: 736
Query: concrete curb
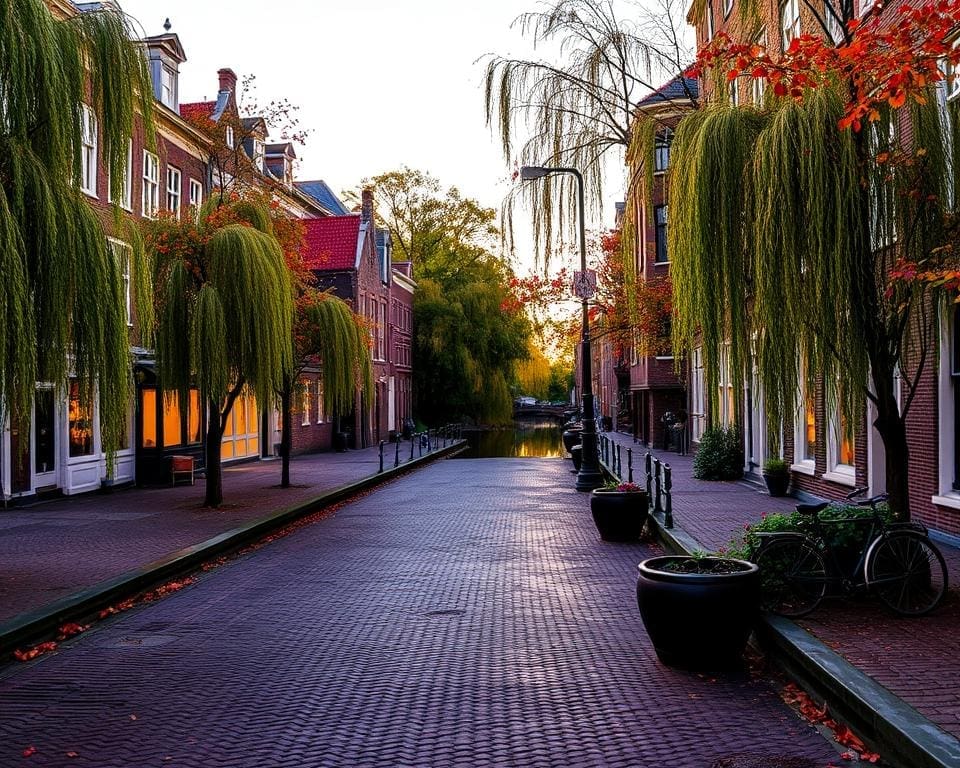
x: 903, y: 737
x: 34, y: 626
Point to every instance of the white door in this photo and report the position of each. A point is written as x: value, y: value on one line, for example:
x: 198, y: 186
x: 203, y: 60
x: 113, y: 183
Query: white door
x: 46, y: 439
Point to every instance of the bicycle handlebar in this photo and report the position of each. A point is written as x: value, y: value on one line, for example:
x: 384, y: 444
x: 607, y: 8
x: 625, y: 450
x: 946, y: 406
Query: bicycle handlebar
x: 873, y: 500
x: 856, y: 492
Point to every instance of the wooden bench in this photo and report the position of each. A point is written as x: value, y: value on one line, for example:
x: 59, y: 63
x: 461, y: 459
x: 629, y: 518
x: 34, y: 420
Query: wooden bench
x: 181, y: 468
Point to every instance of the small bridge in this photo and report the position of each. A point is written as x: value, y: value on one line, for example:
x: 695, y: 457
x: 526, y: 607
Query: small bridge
x: 542, y: 411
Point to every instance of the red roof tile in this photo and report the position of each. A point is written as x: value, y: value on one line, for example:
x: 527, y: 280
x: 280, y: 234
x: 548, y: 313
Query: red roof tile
x: 197, y: 109
x: 331, y: 242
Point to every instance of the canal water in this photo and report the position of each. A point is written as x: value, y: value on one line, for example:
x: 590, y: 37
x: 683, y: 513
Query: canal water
x: 527, y: 439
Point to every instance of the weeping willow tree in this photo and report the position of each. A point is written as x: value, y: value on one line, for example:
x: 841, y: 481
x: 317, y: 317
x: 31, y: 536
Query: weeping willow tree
x: 224, y: 314
x: 574, y: 110
x: 791, y: 260
x: 327, y: 335
x: 61, y: 296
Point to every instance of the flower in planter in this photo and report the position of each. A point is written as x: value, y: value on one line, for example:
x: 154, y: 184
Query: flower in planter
x: 629, y: 487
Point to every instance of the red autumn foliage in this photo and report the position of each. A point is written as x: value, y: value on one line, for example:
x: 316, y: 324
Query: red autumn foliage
x: 809, y: 710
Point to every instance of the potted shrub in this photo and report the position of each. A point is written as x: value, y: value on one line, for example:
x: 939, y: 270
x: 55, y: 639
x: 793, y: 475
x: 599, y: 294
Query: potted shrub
x: 699, y: 610
x: 720, y: 455
x: 776, y: 474
x: 619, y: 511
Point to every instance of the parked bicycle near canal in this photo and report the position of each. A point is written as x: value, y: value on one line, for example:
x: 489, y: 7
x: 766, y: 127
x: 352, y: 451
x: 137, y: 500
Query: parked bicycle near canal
x: 898, y: 563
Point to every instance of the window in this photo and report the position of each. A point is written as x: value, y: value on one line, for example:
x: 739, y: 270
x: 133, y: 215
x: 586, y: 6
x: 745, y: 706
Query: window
x: 841, y: 454
x: 661, y: 152
x: 952, y: 81
x: 865, y: 5
x: 660, y: 221
x: 193, y: 418
x: 789, y: 22
x: 321, y: 416
x: 168, y: 87
x: 172, y: 427
x: 150, y: 197
x: 727, y: 7
x: 241, y: 437
x: 698, y: 405
x: 832, y: 14
x: 148, y: 409
x: 88, y: 152
x: 734, y: 87
x: 121, y: 252
x: 196, y: 194
x: 173, y: 190
x: 228, y: 136
x: 758, y: 83
x: 258, y: 154
x: 955, y: 376
x: 80, y: 415
x: 710, y: 29
x: 805, y: 431
x: 381, y: 319
x: 126, y: 194
x: 727, y: 414
x: 305, y: 402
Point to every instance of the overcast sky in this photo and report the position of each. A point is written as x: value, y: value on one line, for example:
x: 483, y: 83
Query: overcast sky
x: 381, y: 83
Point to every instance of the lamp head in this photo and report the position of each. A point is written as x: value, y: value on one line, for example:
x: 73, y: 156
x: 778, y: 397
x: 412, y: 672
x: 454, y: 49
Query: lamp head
x: 529, y: 172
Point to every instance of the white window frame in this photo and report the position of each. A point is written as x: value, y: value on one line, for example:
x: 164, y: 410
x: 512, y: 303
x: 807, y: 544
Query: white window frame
x: 661, y: 152
x: 834, y: 28
x: 168, y: 87
x: 122, y: 251
x: 321, y: 416
x: 196, y: 194
x: 844, y: 474
x: 734, y: 87
x: 947, y: 495
x: 789, y: 22
x: 866, y: 5
x: 758, y: 84
x: 806, y: 465
x: 727, y: 7
x: 228, y: 137
x: 88, y: 151
x: 150, y: 194
x: 711, y: 30
x: 698, y: 405
x: 259, y: 152
x: 126, y: 202
x: 305, y: 405
x: 174, y: 189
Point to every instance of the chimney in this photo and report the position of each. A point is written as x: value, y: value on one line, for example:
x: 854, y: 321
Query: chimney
x: 366, y: 208
x: 228, y: 79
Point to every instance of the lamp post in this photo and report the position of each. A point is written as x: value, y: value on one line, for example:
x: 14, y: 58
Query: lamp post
x: 589, y: 476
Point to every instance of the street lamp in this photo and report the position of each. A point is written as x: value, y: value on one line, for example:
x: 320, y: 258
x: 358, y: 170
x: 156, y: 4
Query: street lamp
x: 589, y: 476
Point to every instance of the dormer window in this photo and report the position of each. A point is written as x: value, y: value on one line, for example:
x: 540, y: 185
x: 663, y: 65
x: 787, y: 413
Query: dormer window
x: 229, y: 136
x: 258, y: 152
x: 168, y: 87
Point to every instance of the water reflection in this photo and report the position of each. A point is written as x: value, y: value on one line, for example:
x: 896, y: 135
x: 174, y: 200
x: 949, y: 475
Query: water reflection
x: 539, y: 439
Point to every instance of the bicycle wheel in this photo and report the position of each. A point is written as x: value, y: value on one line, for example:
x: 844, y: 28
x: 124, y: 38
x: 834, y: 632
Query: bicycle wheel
x: 793, y: 578
x: 907, y: 572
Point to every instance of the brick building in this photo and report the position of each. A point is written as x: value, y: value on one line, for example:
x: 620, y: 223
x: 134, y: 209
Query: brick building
x: 827, y: 456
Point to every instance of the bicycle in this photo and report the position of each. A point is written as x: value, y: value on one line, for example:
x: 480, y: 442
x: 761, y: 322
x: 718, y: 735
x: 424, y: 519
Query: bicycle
x: 899, y: 564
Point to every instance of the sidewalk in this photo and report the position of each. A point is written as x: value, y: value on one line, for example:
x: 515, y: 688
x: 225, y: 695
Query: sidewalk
x: 56, y: 548
x: 916, y: 659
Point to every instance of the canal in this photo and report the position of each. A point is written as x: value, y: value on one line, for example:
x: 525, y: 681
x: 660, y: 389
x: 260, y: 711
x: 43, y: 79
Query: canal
x: 525, y: 439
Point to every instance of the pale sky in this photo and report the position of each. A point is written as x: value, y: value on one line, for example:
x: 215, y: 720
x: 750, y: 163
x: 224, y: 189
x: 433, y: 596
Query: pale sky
x: 381, y: 83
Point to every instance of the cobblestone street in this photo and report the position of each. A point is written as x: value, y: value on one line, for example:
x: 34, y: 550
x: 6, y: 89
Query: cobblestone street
x: 465, y: 615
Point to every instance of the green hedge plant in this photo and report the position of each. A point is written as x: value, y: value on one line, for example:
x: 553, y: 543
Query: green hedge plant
x: 720, y: 455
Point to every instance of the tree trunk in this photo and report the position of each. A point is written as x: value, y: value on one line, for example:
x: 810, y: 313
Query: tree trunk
x: 286, y: 436
x: 216, y: 424
x: 892, y: 429
x: 214, y: 492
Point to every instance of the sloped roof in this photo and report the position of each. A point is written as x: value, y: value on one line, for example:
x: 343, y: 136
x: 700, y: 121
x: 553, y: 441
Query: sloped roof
x: 197, y: 109
x: 332, y: 242
x: 320, y: 191
x: 678, y: 88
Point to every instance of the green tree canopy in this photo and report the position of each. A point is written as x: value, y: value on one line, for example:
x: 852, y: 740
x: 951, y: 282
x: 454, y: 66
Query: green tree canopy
x: 467, y: 340
x: 61, y: 296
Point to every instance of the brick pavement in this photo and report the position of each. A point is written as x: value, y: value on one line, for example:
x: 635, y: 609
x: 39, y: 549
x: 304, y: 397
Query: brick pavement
x: 916, y: 659
x: 52, y: 549
x: 466, y: 615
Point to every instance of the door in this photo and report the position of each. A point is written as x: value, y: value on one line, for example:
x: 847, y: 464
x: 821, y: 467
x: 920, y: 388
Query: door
x: 45, y: 440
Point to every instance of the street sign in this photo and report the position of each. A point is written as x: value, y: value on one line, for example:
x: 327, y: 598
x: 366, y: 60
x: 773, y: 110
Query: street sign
x: 585, y: 284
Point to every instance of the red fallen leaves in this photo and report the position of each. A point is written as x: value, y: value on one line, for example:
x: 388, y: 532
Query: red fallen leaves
x: 72, y: 754
x: 37, y: 650
x: 809, y: 710
x: 31, y: 750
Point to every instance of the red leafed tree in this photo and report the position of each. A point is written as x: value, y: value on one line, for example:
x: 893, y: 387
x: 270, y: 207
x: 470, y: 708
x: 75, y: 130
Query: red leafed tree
x: 833, y: 243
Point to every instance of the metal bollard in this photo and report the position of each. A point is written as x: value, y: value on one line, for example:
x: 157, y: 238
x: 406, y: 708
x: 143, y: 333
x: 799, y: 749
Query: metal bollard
x: 667, y: 485
x: 396, y: 459
x: 656, y: 484
x: 619, y: 463
x: 629, y: 465
x: 647, y: 464
x: 381, y: 456
x: 413, y: 444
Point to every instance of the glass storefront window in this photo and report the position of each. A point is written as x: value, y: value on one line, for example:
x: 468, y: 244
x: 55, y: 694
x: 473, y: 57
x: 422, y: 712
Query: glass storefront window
x: 193, y: 418
x: 172, y: 432
x: 81, y: 423
x: 148, y: 409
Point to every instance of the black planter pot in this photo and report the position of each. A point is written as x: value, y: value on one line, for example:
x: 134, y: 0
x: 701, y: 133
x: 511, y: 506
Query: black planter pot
x: 777, y: 482
x: 576, y: 453
x: 571, y: 437
x: 698, y: 620
x: 619, y: 515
